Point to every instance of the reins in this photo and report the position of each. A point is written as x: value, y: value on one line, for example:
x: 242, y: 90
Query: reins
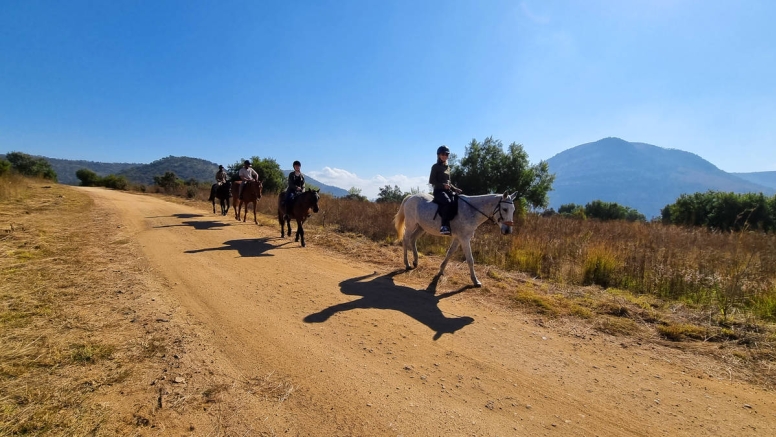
x: 493, y: 214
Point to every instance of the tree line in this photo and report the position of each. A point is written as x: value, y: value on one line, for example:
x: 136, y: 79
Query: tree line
x: 723, y: 211
x: 486, y: 167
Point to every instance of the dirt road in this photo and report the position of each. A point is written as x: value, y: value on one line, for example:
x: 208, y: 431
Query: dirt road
x: 364, y: 351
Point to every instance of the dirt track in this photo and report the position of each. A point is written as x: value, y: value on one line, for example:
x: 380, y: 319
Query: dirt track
x: 370, y: 352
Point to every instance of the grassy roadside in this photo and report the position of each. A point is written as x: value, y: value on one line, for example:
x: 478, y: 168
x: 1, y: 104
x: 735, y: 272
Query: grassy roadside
x: 86, y: 347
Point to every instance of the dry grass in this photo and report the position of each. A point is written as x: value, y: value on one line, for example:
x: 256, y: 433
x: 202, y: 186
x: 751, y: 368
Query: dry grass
x: 81, y: 354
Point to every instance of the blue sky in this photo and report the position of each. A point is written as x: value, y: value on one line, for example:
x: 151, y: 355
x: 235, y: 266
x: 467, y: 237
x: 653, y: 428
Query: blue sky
x: 363, y: 92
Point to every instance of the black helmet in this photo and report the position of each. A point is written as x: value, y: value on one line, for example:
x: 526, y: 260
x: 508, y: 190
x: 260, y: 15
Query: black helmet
x: 297, y: 163
x: 443, y: 149
x: 248, y: 163
x: 220, y: 167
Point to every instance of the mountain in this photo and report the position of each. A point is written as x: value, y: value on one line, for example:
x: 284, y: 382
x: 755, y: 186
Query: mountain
x: 66, y: 168
x: 328, y: 189
x: 766, y: 178
x: 638, y: 175
x: 184, y: 167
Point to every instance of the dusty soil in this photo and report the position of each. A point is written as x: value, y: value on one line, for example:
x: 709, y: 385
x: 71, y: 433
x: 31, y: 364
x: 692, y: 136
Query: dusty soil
x: 274, y: 339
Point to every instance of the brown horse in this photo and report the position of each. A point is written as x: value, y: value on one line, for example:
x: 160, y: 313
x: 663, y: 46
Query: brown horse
x: 300, y: 211
x: 251, y: 193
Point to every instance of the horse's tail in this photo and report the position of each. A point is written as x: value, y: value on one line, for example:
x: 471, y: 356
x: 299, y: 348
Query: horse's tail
x: 398, y: 221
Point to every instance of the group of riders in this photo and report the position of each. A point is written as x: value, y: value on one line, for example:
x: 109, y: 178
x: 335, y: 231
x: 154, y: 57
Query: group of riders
x: 247, y: 174
x: 444, y: 191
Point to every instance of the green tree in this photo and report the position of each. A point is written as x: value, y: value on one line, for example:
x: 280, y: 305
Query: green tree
x: 355, y: 194
x: 115, y: 182
x: 487, y: 168
x: 169, y: 181
x: 30, y: 166
x: 5, y: 167
x: 269, y: 171
x: 612, y: 211
x: 388, y: 194
x: 87, y: 177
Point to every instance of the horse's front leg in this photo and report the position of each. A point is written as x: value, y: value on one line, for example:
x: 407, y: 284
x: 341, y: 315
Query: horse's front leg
x: 237, y: 206
x: 299, y: 232
x: 254, y: 212
x: 467, y: 251
x: 450, y: 251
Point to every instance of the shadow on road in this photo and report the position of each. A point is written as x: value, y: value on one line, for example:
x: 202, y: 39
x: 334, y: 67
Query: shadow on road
x: 382, y: 293
x: 180, y: 216
x: 200, y: 226
x: 252, y: 247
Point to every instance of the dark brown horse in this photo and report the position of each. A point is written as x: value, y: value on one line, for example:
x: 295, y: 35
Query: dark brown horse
x: 300, y: 211
x: 222, y: 193
x: 251, y: 193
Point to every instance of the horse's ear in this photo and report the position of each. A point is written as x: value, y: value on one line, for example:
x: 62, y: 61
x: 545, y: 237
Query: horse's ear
x: 513, y: 196
x: 506, y: 195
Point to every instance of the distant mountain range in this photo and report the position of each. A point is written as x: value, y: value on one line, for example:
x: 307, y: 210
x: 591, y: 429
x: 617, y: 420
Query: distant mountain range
x: 642, y: 176
x: 184, y: 167
x: 637, y: 175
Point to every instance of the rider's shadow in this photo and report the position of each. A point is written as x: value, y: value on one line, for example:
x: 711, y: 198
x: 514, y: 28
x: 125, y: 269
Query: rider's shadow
x: 198, y: 225
x: 245, y: 248
x: 382, y: 293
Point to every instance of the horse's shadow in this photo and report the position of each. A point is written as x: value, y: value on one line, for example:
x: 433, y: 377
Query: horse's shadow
x: 180, y: 215
x: 382, y: 293
x: 198, y: 225
x: 245, y: 248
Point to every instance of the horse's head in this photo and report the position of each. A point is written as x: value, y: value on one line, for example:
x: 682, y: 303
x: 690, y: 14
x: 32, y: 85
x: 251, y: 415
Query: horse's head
x: 315, y: 197
x: 506, y: 212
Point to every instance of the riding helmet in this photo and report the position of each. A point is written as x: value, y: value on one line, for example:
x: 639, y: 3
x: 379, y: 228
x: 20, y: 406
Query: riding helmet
x: 297, y: 163
x: 443, y: 149
x: 248, y: 163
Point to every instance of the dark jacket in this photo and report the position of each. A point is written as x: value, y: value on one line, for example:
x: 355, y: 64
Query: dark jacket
x: 440, y: 175
x: 295, y: 181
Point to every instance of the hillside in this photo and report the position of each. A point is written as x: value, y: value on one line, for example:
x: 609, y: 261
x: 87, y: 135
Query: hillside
x: 638, y: 175
x: 184, y: 167
x: 328, y: 189
x: 765, y: 178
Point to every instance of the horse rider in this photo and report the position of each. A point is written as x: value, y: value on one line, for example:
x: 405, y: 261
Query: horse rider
x: 246, y: 174
x: 443, y: 189
x: 220, y: 180
x: 221, y: 176
x: 295, y: 184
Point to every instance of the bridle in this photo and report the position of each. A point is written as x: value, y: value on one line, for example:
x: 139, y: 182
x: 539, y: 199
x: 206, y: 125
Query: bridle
x: 492, y: 215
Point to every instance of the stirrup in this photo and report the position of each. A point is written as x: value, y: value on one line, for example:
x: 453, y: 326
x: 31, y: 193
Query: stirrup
x: 444, y: 230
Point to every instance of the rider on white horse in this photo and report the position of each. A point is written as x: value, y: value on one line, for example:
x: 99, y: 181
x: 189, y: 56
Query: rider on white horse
x: 443, y: 189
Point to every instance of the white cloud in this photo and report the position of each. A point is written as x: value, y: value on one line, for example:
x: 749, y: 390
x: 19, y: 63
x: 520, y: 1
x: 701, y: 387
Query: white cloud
x: 370, y: 187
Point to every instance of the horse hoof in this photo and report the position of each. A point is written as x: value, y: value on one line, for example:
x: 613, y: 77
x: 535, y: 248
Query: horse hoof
x: 477, y: 284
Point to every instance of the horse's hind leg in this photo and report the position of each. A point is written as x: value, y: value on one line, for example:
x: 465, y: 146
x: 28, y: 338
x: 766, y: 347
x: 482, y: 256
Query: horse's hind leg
x: 410, y: 241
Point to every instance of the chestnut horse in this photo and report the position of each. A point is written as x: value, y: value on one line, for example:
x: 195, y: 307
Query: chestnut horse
x: 251, y: 194
x: 300, y: 211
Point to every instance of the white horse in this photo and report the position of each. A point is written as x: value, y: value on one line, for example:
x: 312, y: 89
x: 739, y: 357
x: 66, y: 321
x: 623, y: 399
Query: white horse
x: 417, y: 213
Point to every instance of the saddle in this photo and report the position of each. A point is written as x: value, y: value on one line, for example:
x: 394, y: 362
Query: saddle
x: 452, y: 208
